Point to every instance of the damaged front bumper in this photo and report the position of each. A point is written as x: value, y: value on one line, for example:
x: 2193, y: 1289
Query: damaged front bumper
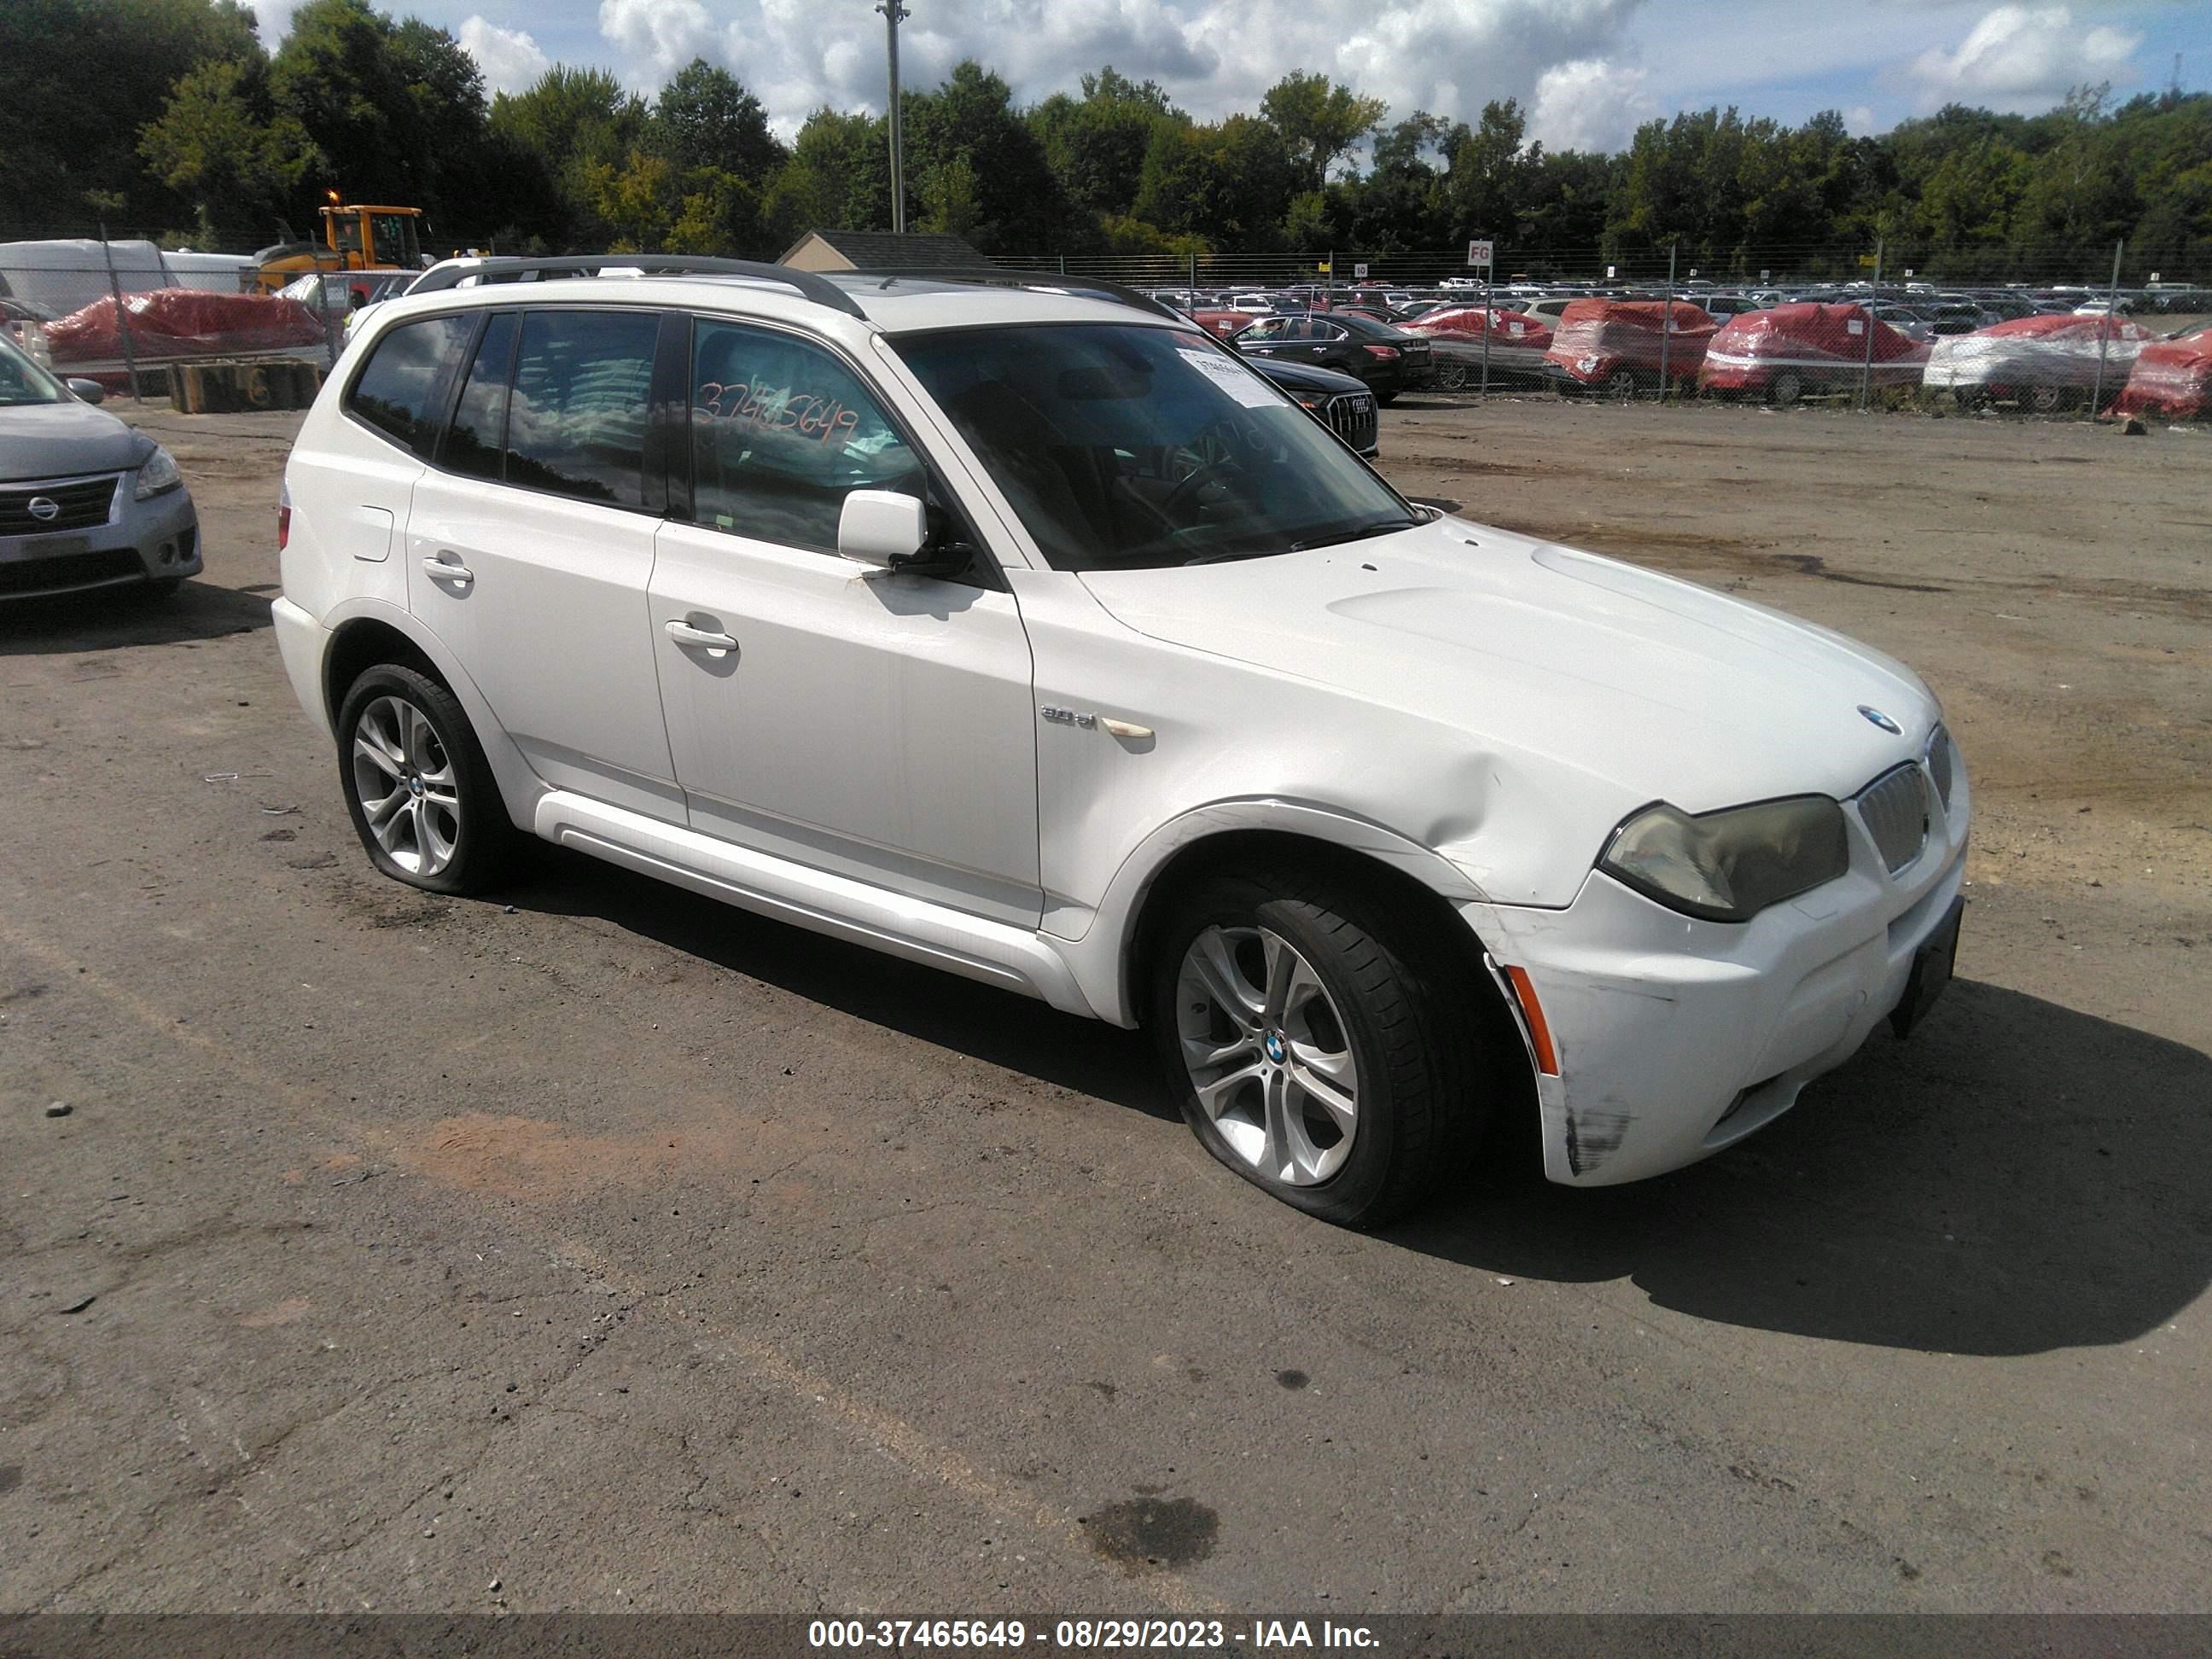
x: 1670, y: 1038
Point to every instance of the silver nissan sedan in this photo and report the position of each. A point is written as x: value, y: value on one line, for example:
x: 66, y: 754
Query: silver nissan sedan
x: 86, y: 502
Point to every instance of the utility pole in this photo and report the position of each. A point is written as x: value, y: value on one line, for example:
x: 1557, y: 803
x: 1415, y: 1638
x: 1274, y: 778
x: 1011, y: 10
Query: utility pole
x: 894, y: 15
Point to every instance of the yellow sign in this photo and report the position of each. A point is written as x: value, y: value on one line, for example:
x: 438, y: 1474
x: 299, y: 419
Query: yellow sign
x: 1867, y: 259
x: 1325, y: 265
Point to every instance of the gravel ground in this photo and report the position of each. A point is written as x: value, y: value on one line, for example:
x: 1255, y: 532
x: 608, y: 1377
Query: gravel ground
x: 595, y: 1247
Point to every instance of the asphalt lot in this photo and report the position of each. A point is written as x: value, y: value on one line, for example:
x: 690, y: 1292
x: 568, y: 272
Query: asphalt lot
x: 594, y: 1247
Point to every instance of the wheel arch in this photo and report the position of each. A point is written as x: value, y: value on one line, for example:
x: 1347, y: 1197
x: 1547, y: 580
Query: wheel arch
x: 1211, y: 837
x: 368, y: 632
x: 1423, y: 889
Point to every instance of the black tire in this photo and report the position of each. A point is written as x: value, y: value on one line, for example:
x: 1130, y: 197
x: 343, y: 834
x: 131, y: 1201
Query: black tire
x: 1419, y: 1117
x: 1785, y: 388
x: 1620, y: 385
x: 485, y: 836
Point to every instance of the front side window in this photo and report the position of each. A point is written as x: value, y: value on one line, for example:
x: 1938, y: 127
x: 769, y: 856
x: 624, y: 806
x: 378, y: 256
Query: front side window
x: 1124, y: 447
x: 578, y: 407
x: 781, y: 432
x: 393, y: 391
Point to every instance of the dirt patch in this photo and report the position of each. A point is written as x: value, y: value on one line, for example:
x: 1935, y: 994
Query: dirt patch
x: 537, y: 1161
x: 287, y: 1311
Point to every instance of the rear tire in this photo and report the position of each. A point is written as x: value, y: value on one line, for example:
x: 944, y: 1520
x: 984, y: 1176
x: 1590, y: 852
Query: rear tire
x: 421, y: 794
x: 1303, y: 1030
x: 1621, y: 384
x: 1785, y: 389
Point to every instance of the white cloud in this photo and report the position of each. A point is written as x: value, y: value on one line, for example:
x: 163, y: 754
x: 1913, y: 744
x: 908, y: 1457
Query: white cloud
x: 273, y: 19
x: 2022, y: 58
x: 1213, y: 56
x: 509, y: 59
x: 1859, y: 122
x: 658, y: 37
x: 1590, y: 104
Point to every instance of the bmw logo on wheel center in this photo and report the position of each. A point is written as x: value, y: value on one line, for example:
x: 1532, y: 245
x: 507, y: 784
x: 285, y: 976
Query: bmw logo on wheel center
x: 1881, y: 719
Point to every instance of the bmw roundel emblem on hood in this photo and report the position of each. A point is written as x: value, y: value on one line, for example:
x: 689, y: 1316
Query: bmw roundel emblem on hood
x: 1882, y: 720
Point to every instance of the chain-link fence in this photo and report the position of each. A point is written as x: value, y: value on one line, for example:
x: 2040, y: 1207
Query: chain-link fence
x: 124, y: 310
x: 2040, y: 330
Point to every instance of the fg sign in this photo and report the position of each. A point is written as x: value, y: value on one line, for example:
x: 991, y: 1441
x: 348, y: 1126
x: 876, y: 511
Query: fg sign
x: 1359, y: 270
x: 1478, y: 254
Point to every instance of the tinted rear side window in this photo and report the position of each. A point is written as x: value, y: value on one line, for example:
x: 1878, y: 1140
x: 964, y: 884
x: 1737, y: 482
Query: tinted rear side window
x: 577, y: 414
x: 474, y: 442
x: 395, y: 388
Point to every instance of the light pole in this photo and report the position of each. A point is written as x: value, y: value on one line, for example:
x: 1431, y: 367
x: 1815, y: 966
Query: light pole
x: 894, y: 15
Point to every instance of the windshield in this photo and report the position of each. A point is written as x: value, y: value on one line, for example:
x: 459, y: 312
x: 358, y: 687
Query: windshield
x: 23, y: 381
x: 1128, y: 447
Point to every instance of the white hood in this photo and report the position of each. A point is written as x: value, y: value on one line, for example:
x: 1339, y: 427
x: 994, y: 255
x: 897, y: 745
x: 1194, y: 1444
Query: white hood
x: 1646, y: 687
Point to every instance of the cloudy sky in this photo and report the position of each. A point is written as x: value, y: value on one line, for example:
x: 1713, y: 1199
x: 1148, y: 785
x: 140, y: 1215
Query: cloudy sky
x: 1587, y: 71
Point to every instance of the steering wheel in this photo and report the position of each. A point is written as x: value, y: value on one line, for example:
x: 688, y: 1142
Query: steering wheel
x: 1214, y: 459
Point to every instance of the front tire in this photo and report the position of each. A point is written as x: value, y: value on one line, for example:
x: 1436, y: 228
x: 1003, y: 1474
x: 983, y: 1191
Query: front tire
x: 1304, y: 1036
x: 417, y: 787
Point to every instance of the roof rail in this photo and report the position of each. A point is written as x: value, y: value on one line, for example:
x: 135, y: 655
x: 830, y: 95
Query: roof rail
x: 451, y: 273
x: 1057, y: 282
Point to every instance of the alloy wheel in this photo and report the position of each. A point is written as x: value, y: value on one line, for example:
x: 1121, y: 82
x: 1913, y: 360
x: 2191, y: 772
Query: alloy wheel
x: 408, y: 792
x: 1268, y: 1053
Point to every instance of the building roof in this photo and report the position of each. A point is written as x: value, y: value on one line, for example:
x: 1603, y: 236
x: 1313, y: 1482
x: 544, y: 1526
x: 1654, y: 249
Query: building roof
x: 864, y: 250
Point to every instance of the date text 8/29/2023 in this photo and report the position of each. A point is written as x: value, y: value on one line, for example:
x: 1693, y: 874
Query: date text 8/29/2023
x: 1088, y: 1635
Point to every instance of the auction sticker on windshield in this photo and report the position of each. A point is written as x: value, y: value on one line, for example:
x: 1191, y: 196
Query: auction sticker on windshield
x: 1233, y: 378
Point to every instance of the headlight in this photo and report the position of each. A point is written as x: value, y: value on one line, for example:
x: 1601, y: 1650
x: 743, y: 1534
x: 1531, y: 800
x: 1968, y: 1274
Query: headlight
x: 1730, y: 866
x: 157, y: 474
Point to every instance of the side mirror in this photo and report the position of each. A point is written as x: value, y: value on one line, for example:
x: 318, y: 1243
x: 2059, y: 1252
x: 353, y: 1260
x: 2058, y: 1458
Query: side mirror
x: 881, y: 526
x: 90, y: 391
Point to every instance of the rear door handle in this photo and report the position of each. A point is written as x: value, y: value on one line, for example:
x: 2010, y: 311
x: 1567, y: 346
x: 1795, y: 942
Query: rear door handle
x: 459, y: 575
x: 684, y: 634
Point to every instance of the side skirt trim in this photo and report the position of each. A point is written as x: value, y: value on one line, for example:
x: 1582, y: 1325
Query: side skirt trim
x: 901, y: 926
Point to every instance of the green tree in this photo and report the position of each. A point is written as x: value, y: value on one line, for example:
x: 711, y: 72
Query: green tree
x: 1096, y: 145
x: 1319, y: 120
x: 1014, y: 203
x: 573, y: 123
x: 637, y: 199
x: 1490, y: 171
x: 839, y: 178
x: 77, y: 77
x: 1230, y: 181
x: 220, y: 144
x: 390, y: 105
x: 705, y: 117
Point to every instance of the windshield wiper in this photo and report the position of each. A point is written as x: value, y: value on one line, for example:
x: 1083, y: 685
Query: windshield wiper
x: 1359, y: 534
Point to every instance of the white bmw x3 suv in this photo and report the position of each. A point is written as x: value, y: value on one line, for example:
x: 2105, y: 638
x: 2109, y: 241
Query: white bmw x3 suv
x: 1023, y: 631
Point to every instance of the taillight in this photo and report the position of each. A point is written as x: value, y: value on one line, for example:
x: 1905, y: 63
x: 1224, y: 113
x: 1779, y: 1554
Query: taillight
x: 283, y: 516
x: 1386, y: 353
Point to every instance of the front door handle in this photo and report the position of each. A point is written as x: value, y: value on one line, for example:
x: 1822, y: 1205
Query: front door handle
x: 684, y: 634
x: 459, y: 575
